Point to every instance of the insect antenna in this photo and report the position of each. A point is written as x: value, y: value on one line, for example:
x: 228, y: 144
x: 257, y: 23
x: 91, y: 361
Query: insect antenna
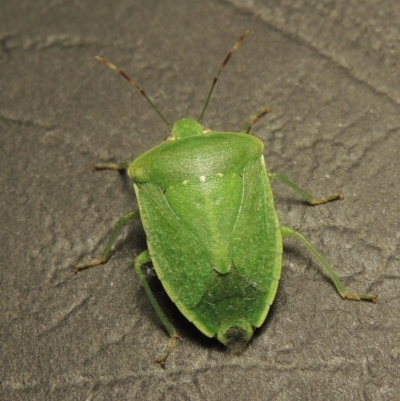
x: 224, y: 63
x: 134, y: 84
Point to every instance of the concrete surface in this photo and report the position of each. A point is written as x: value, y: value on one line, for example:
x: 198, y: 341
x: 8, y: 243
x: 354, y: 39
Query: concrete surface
x: 330, y: 72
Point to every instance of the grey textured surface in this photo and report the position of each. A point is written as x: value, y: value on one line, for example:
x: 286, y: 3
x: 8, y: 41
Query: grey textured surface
x: 330, y: 72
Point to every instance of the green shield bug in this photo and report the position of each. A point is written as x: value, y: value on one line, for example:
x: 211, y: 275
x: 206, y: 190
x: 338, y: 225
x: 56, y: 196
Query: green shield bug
x: 212, y: 231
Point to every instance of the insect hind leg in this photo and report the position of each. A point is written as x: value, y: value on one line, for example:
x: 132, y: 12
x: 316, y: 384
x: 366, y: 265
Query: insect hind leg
x: 139, y: 261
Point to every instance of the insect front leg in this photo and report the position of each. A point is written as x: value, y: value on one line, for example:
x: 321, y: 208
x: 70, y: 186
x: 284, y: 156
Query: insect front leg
x: 134, y: 214
x: 341, y: 289
x: 252, y: 119
x: 111, y: 166
x: 312, y: 200
x: 139, y: 261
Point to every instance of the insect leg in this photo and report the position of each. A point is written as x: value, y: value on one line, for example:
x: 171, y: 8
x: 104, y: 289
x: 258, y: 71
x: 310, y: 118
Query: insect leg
x: 309, y: 198
x: 341, y: 289
x: 134, y: 214
x: 252, y: 119
x: 141, y: 259
x: 111, y: 166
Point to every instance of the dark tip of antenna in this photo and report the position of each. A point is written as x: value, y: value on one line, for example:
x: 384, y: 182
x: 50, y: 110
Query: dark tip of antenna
x: 222, y: 66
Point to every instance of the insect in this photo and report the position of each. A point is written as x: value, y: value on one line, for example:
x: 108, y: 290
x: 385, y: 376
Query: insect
x: 212, y: 231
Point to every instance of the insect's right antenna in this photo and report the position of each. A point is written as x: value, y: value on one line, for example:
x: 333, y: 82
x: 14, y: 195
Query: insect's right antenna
x: 224, y: 63
x: 133, y: 83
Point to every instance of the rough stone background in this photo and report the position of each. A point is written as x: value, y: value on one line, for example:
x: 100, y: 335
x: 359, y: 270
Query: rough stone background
x: 330, y: 72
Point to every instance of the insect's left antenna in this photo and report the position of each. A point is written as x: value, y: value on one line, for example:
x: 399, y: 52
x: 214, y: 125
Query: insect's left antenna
x: 134, y: 84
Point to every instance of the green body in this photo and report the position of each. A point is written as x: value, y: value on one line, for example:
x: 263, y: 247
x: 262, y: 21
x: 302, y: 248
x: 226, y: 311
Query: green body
x: 212, y: 231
